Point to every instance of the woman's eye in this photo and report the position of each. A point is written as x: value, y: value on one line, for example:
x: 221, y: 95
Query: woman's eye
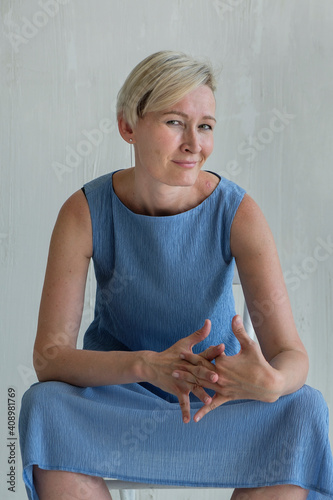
x: 173, y: 122
x: 205, y: 126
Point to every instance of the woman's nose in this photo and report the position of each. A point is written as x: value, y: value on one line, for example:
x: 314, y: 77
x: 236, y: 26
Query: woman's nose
x: 192, y: 142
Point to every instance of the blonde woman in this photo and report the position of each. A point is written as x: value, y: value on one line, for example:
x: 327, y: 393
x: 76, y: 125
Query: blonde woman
x: 169, y: 388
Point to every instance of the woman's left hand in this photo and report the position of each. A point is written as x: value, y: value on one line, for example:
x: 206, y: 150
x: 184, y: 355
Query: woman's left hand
x: 246, y: 375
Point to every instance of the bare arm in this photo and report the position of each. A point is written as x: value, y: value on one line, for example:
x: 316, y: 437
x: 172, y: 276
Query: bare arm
x: 266, y: 296
x: 55, y: 353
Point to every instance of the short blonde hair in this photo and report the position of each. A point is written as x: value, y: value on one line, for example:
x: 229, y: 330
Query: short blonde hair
x: 159, y: 81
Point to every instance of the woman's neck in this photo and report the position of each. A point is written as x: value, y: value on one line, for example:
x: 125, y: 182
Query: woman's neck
x: 151, y: 197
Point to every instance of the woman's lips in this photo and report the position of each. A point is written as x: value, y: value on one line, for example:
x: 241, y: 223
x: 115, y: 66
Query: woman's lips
x: 186, y: 164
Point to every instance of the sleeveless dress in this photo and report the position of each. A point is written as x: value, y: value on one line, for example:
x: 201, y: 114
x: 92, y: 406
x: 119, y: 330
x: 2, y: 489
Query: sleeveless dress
x: 158, y: 279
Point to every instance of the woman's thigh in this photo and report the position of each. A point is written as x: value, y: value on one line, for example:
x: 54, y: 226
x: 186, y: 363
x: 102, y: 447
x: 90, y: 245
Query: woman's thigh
x: 283, y: 492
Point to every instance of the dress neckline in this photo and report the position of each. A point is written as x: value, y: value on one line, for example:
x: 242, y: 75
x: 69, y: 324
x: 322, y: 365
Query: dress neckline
x: 159, y: 217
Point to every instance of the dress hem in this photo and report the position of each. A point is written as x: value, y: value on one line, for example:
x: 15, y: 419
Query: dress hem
x: 174, y: 484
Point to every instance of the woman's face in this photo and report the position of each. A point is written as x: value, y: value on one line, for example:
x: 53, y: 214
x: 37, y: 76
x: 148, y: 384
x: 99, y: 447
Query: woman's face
x: 172, y: 145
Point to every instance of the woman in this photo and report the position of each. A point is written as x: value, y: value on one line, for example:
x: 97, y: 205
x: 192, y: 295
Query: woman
x: 164, y: 236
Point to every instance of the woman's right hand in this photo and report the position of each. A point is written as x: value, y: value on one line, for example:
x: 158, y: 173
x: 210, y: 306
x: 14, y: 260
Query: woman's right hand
x: 163, y: 367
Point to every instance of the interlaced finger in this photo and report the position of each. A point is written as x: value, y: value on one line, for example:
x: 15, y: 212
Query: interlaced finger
x: 213, y: 352
x: 196, y: 374
x: 200, y: 367
x: 201, y: 394
x: 184, y: 403
x: 217, y: 400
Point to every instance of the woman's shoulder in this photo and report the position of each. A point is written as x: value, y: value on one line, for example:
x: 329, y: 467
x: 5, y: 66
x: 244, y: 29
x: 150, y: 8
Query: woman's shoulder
x: 208, y: 182
x: 218, y: 189
x: 250, y: 230
x: 98, y: 183
x: 227, y: 195
x: 212, y: 180
x: 74, y: 222
x: 75, y: 207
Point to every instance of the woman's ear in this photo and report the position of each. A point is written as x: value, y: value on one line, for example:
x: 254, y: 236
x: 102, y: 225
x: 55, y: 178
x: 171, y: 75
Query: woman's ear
x: 125, y: 129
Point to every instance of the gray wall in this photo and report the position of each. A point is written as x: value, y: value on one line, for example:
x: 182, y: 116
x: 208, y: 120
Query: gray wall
x: 62, y: 63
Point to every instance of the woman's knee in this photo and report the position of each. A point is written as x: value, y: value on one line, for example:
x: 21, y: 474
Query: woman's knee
x: 309, y: 403
x: 36, y: 402
x: 68, y: 485
x: 41, y: 393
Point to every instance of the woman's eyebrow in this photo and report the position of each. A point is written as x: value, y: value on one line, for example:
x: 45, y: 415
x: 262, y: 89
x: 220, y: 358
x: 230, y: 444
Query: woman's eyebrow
x: 180, y: 113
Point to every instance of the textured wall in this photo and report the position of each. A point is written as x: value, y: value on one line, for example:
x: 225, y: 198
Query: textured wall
x: 62, y: 63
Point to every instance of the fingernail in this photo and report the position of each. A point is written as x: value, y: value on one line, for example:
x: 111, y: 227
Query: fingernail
x: 197, y: 419
x: 238, y: 321
x: 175, y: 374
x: 207, y: 400
x: 182, y: 356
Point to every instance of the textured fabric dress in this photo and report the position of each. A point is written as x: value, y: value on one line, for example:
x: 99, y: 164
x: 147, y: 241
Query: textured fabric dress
x: 158, y: 279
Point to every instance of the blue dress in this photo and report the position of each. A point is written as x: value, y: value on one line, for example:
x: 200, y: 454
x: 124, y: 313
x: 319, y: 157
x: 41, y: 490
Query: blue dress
x: 158, y: 279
